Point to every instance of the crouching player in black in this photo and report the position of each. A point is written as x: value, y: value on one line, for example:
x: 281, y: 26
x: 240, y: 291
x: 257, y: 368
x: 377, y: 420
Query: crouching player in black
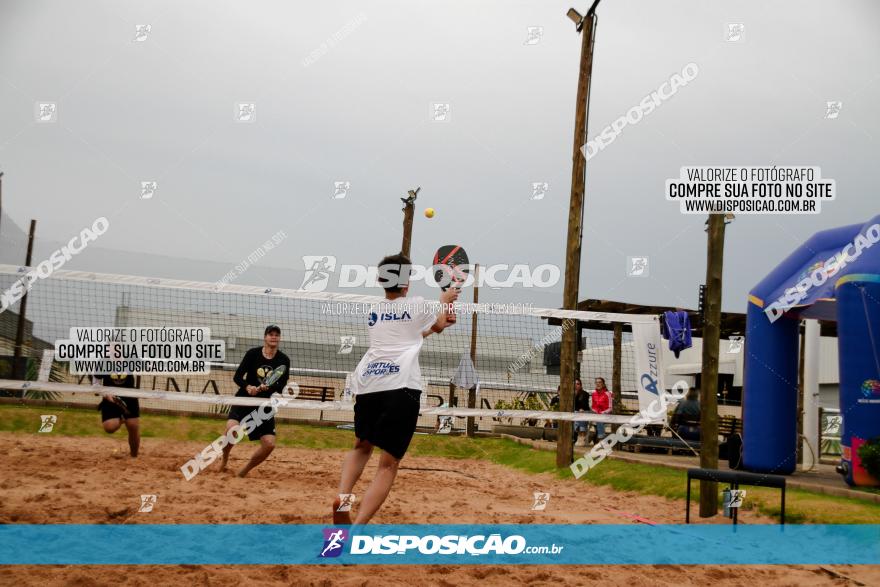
x: 256, y: 365
x: 116, y: 411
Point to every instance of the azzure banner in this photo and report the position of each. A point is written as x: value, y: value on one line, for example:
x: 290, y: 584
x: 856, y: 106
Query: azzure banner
x: 649, y: 367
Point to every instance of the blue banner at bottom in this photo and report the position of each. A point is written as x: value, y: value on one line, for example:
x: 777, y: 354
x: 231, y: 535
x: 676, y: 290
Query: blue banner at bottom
x: 526, y: 544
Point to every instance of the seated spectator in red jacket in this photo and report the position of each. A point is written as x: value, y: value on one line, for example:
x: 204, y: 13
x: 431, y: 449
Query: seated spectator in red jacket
x: 601, y: 404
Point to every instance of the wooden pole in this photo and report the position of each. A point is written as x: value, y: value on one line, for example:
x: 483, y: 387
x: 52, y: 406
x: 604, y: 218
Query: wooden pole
x: 17, y: 371
x: 615, y: 372
x: 709, y: 376
x: 472, y: 392
x: 568, y: 352
x: 474, y: 315
x: 408, y: 215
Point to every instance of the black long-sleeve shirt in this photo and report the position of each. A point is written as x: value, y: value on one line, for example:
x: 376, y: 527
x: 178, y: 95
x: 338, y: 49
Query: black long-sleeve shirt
x: 254, y: 368
x: 582, y: 402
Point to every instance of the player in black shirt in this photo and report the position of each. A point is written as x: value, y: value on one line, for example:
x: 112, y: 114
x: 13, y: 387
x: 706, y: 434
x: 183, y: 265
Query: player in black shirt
x: 117, y: 410
x: 256, y: 364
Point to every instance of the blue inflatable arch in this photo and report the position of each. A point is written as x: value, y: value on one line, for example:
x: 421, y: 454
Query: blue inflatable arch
x: 835, y: 275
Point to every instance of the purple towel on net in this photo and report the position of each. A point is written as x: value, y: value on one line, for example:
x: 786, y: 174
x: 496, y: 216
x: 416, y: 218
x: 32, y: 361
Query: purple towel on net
x: 678, y: 330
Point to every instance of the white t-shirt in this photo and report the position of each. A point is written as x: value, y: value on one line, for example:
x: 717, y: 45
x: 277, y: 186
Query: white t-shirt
x: 392, y: 361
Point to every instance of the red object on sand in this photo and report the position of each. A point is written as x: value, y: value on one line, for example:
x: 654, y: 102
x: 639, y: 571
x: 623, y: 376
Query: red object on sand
x: 637, y: 518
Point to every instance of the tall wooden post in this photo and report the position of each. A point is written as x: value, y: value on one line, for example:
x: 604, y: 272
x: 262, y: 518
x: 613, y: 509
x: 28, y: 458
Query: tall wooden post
x: 472, y: 392
x: 709, y: 376
x: 474, y: 319
x: 615, y: 368
x: 408, y: 215
x: 568, y: 352
x: 18, y: 372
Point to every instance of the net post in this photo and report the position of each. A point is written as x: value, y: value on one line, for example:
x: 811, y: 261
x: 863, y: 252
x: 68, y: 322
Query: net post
x: 18, y: 372
x: 617, y: 397
x: 567, y: 374
x: 472, y: 392
x: 569, y: 349
x: 408, y: 214
x: 709, y: 375
x: 471, y: 403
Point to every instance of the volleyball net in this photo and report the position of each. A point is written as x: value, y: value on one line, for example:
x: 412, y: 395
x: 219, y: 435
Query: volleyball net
x: 189, y: 337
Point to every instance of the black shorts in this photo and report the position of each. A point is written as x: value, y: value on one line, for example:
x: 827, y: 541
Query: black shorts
x: 110, y: 410
x: 266, y: 427
x: 387, y: 419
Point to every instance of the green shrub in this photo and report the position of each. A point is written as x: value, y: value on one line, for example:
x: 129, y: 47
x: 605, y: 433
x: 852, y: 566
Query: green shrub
x: 869, y: 454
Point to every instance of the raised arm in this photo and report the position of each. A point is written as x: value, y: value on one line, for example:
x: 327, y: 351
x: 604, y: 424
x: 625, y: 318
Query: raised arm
x: 447, y: 318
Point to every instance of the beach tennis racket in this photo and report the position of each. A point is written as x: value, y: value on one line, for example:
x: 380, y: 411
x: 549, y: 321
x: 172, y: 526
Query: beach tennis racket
x: 451, y: 266
x: 274, y: 376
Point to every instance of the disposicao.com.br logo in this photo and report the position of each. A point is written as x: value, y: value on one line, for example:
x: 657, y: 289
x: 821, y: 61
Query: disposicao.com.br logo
x: 322, y: 271
x: 431, y: 544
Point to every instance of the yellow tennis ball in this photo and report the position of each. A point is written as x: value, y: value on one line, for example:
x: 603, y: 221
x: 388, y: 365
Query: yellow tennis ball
x: 429, y: 212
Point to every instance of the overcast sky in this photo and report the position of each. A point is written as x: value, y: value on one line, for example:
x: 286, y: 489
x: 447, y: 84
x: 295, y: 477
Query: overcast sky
x: 358, y: 111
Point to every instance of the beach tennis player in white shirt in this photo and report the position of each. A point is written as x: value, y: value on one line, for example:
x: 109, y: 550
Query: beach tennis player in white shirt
x: 387, y: 384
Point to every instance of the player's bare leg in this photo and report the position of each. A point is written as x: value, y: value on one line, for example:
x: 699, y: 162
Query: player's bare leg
x: 353, y: 465
x: 230, y: 424
x: 134, y: 435
x: 111, y: 425
x: 379, y: 488
x: 267, y: 445
x: 352, y: 469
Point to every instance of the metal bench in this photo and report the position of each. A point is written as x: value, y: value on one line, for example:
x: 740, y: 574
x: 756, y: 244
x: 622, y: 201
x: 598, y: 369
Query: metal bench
x: 735, y: 478
x: 318, y: 393
x: 727, y: 427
